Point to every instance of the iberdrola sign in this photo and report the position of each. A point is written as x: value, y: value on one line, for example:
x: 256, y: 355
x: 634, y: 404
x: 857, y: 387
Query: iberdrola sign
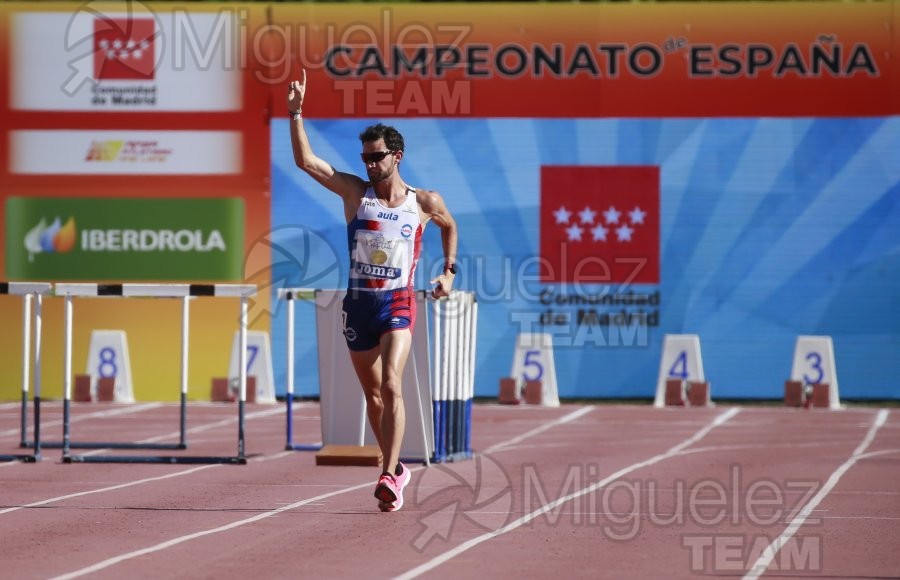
x: 124, y: 239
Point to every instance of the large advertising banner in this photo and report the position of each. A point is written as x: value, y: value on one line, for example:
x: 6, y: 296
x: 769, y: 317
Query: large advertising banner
x: 668, y: 59
x: 619, y: 173
x: 121, y: 61
x: 128, y: 154
x: 128, y: 239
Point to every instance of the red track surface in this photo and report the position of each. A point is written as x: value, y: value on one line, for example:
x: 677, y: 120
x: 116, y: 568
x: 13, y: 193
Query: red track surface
x: 583, y: 491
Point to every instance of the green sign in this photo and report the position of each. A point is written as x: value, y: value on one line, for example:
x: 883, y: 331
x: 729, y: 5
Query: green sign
x: 124, y: 239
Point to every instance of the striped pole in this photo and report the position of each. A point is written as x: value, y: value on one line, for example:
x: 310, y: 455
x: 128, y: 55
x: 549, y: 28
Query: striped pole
x: 242, y: 373
x: 473, y: 342
x: 289, y: 389
x: 38, y: 331
x: 26, y: 365
x: 440, y: 450
x: 453, y: 359
x: 67, y: 375
x: 185, y: 342
x: 31, y: 294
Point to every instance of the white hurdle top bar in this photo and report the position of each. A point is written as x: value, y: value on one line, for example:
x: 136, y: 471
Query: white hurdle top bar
x: 23, y: 288
x: 156, y: 290
x: 296, y: 293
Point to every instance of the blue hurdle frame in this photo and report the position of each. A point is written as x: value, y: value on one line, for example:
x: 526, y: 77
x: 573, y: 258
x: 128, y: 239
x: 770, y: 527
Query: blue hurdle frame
x: 290, y: 295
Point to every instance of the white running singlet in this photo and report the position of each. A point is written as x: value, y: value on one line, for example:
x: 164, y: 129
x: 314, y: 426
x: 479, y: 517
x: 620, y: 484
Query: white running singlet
x: 385, y: 243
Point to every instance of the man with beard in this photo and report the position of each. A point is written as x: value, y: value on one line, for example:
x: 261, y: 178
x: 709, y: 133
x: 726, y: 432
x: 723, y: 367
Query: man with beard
x: 385, y: 220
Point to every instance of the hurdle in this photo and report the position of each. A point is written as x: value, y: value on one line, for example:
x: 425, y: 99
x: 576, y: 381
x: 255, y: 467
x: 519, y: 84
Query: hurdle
x: 32, y: 293
x: 185, y: 292
x: 290, y: 295
x: 453, y: 378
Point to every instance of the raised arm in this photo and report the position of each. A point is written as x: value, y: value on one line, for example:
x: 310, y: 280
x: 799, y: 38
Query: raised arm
x: 434, y: 208
x: 346, y: 185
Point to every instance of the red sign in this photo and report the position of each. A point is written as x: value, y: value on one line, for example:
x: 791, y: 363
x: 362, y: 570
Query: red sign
x: 123, y: 48
x: 600, y: 224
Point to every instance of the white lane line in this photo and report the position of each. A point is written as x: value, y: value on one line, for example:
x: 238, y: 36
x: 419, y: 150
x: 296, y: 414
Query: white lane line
x: 468, y: 545
x: 181, y: 539
x: 92, y: 415
x: 105, y: 489
x: 528, y: 434
x: 199, y: 428
x: 139, y: 482
x: 142, y: 481
x: 313, y: 500
x: 762, y: 563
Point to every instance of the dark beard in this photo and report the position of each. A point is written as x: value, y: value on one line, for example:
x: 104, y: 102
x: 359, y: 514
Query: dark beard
x: 376, y: 177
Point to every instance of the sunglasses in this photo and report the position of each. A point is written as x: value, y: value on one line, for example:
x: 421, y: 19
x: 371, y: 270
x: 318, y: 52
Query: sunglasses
x: 374, y: 157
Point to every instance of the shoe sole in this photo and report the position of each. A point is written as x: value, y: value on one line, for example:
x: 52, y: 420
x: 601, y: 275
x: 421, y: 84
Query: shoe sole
x: 385, y: 494
x: 389, y: 506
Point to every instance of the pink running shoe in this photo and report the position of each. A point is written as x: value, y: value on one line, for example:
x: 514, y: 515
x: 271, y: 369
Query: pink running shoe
x: 387, y: 489
x: 403, y: 479
x: 400, y: 481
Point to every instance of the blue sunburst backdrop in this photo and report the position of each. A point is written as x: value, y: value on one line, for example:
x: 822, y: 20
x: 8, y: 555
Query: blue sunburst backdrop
x: 610, y: 234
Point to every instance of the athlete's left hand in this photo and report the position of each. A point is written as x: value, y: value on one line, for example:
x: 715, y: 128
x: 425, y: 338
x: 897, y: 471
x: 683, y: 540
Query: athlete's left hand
x: 444, y: 285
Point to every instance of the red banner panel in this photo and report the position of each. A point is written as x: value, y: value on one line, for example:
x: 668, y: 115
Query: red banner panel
x: 600, y: 224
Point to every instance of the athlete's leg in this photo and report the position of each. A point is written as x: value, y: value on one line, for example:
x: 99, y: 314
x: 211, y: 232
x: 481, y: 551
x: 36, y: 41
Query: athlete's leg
x: 367, y: 364
x: 395, y: 346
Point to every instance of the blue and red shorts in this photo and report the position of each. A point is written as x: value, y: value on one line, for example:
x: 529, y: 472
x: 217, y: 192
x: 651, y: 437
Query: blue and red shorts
x: 368, y: 315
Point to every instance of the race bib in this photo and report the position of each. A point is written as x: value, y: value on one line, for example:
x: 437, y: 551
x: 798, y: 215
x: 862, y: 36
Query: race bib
x: 375, y: 256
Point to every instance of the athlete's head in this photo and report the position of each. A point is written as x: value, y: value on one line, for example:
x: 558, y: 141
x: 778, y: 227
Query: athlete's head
x: 382, y: 150
x: 393, y: 140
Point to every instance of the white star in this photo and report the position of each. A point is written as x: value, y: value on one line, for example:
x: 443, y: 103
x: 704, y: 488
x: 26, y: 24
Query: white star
x: 562, y: 215
x: 130, y: 43
x: 123, y: 55
x: 110, y: 54
x: 104, y: 43
x: 623, y: 233
x: 574, y: 232
x: 587, y: 215
x: 599, y: 233
x: 143, y: 45
x: 138, y: 53
x: 612, y: 215
x: 117, y: 44
x: 637, y: 215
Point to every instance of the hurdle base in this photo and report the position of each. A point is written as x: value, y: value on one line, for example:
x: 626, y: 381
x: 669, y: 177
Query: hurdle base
x: 190, y: 460
x: 452, y: 457
x: 22, y: 458
x: 107, y: 445
x: 357, y: 455
x: 300, y: 447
